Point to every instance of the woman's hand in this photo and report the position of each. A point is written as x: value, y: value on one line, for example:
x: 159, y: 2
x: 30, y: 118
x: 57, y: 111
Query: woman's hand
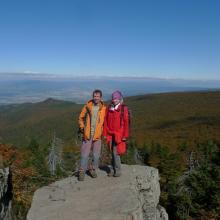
x: 124, y: 139
x: 104, y: 138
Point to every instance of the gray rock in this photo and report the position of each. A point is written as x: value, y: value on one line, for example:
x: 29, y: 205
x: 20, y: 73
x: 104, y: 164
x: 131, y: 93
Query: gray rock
x: 5, y: 194
x: 133, y: 196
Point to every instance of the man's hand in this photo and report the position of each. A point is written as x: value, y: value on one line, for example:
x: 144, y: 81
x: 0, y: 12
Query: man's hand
x: 80, y: 133
x: 81, y: 130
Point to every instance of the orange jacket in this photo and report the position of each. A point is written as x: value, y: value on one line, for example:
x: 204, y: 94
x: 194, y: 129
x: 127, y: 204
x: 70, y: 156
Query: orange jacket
x: 85, y: 120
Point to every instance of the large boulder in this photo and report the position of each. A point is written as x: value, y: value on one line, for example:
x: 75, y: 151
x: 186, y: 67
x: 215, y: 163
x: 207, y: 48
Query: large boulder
x: 5, y: 193
x: 133, y: 196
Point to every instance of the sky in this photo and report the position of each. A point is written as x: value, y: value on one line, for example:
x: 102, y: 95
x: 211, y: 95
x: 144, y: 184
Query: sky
x: 151, y: 38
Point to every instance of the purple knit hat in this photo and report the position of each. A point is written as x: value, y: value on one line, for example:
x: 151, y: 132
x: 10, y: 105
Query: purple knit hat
x: 117, y: 95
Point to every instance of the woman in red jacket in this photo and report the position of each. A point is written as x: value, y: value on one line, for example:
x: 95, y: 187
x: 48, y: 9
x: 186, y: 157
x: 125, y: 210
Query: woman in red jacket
x: 116, y: 130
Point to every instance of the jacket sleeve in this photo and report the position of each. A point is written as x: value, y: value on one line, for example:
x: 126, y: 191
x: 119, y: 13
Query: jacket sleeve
x: 81, y: 117
x: 126, y: 123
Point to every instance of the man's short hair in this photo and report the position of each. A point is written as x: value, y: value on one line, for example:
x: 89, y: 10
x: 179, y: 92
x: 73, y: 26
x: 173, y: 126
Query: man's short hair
x: 97, y: 91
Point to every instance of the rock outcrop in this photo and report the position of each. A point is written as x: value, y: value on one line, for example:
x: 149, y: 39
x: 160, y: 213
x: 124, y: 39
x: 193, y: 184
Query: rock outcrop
x: 133, y: 196
x: 5, y: 194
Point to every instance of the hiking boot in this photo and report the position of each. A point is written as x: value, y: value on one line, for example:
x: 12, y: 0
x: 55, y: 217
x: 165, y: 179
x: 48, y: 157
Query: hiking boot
x: 93, y: 173
x: 81, y: 175
x: 110, y: 173
x: 117, y: 174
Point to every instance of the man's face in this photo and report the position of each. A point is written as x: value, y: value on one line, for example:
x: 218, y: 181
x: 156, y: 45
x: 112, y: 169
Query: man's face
x: 96, y: 98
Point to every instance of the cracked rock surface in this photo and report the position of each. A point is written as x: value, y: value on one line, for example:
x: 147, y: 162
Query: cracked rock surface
x: 133, y: 196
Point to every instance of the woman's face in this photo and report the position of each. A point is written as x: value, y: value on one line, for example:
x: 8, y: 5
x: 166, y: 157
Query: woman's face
x: 115, y: 101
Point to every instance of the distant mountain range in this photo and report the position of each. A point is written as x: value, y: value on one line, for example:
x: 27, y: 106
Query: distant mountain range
x: 170, y: 119
x: 34, y: 87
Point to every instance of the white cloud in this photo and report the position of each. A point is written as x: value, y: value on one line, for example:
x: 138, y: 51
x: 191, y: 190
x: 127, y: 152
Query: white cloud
x: 31, y: 72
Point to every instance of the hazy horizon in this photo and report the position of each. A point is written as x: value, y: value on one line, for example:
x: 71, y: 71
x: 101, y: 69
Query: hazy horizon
x: 29, y: 87
x: 51, y: 75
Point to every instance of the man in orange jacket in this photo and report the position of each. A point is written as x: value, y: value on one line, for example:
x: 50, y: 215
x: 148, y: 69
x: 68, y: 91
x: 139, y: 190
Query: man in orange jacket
x: 91, y: 120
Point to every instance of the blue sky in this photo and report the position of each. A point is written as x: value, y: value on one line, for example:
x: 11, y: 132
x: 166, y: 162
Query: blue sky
x: 152, y: 38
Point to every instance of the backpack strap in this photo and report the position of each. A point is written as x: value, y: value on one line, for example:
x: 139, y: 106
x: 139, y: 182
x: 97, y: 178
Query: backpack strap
x: 88, y: 112
x: 122, y: 113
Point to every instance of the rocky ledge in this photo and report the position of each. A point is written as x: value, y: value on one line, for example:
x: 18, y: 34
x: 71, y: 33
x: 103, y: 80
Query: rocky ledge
x: 133, y: 196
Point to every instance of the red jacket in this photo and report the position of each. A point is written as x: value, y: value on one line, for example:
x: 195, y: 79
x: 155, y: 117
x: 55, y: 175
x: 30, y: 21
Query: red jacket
x: 117, y: 124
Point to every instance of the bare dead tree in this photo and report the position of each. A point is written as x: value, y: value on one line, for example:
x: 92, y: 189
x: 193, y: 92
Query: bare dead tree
x: 192, y: 165
x: 55, y: 155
